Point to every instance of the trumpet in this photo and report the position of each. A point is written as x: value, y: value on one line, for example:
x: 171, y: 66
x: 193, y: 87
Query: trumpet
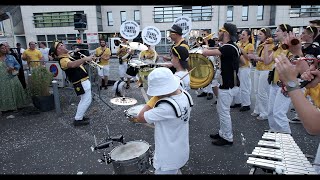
x: 201, y: 39
x: 91, y: 63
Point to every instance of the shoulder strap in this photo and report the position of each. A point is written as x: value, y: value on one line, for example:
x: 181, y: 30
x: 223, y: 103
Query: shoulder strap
x: 172, y: 103
x: 237, y: 49
x: 189, y: 98
x: 102, y: 52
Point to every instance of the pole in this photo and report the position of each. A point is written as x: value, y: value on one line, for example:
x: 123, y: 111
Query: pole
x: 56, y: 97
x: 81, y: 35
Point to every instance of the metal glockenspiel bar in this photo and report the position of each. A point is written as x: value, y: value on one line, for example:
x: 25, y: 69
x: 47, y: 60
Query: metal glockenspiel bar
x: 279, y: 153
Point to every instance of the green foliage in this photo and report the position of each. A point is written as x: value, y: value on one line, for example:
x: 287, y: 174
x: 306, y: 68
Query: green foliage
x: 40, y: 81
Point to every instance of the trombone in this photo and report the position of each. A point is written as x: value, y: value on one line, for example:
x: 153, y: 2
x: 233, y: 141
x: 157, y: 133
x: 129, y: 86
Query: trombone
x: 201, y: 39
x: 91, y: 63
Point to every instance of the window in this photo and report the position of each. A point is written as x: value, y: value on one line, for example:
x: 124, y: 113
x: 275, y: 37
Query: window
x: 229, y: 13
x: 245, y: 12
x: 164, y: 45
x: 305, y: 11
x: 260, y: 13
x: 196, y: 13
x: 123, y: 16
x: 137, y: 16
x: 54, y: 19
x: 67, y: 39
x: 110, y: 18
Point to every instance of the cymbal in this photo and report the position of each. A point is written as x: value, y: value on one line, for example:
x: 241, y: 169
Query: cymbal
x: 138, y: 46
x: 123, y: 101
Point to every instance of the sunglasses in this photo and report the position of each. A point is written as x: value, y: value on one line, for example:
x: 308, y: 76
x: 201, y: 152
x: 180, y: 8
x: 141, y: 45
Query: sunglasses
x: 263, y: 29
x: 223, y: 30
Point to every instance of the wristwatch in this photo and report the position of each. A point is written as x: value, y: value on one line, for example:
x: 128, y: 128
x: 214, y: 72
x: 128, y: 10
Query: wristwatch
x: 292, y: 85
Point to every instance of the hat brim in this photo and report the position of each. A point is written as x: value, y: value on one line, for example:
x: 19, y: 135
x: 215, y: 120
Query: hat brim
x: 174, y: 31
x: 168, y: 88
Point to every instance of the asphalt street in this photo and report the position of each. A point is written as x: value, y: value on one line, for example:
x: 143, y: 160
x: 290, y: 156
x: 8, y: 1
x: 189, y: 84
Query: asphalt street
x: 47, y: 143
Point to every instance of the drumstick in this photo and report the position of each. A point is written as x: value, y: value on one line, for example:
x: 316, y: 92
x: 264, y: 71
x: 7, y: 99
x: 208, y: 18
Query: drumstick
x: 187, y: 73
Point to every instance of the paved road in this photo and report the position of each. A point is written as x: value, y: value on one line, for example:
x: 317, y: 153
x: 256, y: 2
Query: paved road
x: 44, y: 143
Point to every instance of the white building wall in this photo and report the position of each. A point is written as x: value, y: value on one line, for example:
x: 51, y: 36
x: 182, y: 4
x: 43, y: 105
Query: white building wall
x: 31, y: 32
x: 282, y: 16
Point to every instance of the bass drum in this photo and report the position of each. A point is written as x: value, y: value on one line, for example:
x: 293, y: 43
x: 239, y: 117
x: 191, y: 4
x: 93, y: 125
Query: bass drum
x: 203, y: 69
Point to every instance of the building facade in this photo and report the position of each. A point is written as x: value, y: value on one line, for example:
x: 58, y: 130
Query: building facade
x: 48, y: 23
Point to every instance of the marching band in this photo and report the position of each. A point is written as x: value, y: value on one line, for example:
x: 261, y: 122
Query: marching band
x: 223, y: 68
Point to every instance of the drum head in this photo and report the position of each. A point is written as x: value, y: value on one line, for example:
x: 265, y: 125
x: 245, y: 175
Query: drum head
x: 130, y: 150
x: 203, y: 73
x: 134, y: 111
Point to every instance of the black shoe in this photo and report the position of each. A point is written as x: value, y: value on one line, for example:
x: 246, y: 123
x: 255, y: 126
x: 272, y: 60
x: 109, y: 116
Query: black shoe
x: 245, y: 108
x: 216, y: 102
x: 215, y: 136
x: 235, y: 106
x: 85, y: 119
x: 81, y: 122
x: 203, y: 94
x: 210, y: 96
x: 222, y: 142
x: 100, y: 87
x: 105, y: 87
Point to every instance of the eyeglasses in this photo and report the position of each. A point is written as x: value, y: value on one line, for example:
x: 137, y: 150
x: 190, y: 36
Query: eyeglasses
x: 310, y: 28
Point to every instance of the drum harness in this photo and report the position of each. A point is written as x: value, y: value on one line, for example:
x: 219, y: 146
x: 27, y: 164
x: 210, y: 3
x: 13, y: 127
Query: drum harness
x: 174, y: 104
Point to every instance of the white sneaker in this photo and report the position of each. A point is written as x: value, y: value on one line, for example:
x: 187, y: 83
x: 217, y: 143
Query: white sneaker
x: 261, y: 118
x: 254, y: 114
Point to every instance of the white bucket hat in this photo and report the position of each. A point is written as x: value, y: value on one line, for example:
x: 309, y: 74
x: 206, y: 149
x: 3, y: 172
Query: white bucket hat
x: 161, y: 81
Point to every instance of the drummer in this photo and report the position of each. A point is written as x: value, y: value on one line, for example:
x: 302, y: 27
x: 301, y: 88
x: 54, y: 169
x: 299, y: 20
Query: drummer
x: 179, y: 61
x: 171, y: 130
x: 176, y: 37
x: 148, y: 56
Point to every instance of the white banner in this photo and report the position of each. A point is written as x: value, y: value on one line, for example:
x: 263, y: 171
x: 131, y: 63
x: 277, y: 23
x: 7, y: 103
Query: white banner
x: 185, y: 23
x: 92, y: 38
x: 151, y: 35
x: 129, y: 29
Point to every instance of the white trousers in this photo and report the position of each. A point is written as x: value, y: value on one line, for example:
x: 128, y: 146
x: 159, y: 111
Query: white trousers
x: 123, y: 69
x: 85, y: 100
x: 261, y: 91
x: 225, y: 99
x: 277, y: 110
x: 244, y: 94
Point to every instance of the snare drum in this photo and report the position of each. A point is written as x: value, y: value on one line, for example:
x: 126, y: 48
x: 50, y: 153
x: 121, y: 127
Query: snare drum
x: 134, y: 111
x: 131, y: 158
x: 133, y: 67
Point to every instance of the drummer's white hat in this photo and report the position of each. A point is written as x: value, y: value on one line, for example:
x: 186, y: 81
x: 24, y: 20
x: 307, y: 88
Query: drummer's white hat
x: 161, y: 81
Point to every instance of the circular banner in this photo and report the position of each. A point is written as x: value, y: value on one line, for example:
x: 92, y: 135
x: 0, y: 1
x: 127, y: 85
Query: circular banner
x: 151, y: 35
x: 129, y: 29
x: 185, y: 23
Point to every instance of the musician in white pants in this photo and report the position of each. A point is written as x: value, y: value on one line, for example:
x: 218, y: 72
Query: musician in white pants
x: 247, y: 49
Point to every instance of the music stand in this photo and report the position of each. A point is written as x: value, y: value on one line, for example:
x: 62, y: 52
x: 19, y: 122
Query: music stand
x: 99, y: 91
